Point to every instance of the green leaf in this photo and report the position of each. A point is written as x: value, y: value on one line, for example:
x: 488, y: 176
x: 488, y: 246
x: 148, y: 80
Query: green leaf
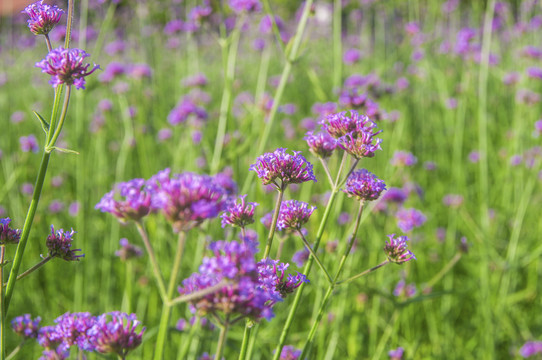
x: 44, y: 123
x: 67, y: 151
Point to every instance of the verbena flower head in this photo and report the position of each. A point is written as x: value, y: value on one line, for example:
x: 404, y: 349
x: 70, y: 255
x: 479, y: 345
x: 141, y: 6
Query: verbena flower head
x: 188, y: 199
x: 7, y: 234
x: 396, y: 249
x: 408, y: 219
x: 531, y: 348
x: 245, y: 5
x: 233, y: 264
x: 26, y: 327
x: 128, y: 201
x: 72, y: 329
x: 354, y: 133
x: 403, y: 158
x: 128, y: 251
x: 43, y: 17
x: 271, y: 276
x: 239, y: 214
x: 364, y: 185
x: 280, y: 168
x: 66, y: 67
x: 321, y: 144
x: 290, y: 353
x: 294, y: 214
x: 396, y: 354
x: 59, y: 244
x: 115, y: 333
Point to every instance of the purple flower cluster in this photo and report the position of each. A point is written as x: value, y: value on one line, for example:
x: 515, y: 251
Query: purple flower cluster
x: 128, y: 201
x: 26, y: 327
x: 290, y: 353
x: 43, y: 17
x: 128, y: 251
x: 280, y: 168
x: 239, y: 214
x: 29, y: 143
x: 294, y: 214
x: 364, y: 185
x: 531, y: 348
x: 396, y: 249
x: 184, y: 109
x: 245, y: 5
x: 7, y: 234
x: 250, y: 289
x: 396, y: 354
x: 408, y: 219
x: 354, y: 133
x: 66, y: 67
x: 188, y: 199
x: 404, y: 290
x: 59, y: 244
x: 90, y: 333
x: 321, y: 144
x: 403, y: 158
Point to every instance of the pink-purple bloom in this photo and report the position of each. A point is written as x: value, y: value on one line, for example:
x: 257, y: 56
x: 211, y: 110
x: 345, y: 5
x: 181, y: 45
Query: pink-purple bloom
x: 397, y: 354
x: 66, y: 67
x: 294, y: 214
x: 128, y: 251
x: 280, y: 168
x: 245, y: 5
x: 396, y: 249
x: 408, y: 219
x: 239, y: 214
x: 43, y: 17
x: 115, y: 333
x: 7, y: 234
x: 59, y: 244
x: 364, y: 185
x: 271, y: 279
x: 531, y: 348
x: 290, y: 353
x: 29, y: 143
x: 403, y: 158
x: 25, y: 327
x: 128, y: 201
x: 321, y: 144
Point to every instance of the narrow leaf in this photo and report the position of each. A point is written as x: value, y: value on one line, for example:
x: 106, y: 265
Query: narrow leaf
x: 44, y: 123
x: 67, y: 151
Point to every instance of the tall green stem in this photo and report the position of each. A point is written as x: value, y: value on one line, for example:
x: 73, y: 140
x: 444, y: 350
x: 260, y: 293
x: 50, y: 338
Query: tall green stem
x: 273, y: 223
x: 337, y: 43
x: 331, y: 286
x: 2, y: 312
x: 166, y: 309
x: 154, y: 263
x: 222, y: 340
x: 313, y: 254
x: 225, y: 105
x: 246, y: 338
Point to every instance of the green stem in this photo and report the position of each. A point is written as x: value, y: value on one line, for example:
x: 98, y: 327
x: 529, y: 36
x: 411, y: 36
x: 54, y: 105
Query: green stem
x: 326, y: 169
x: 166, y: 310
x: 443, y: 271
x: 155, y: 268
x: 15, y: 351
x: 331, y: 287
x: 246, y: 338
x: 225, y: 105
x: 363, y: 273
x: 337, y: 43
x: 33, y: 268
x: 222, y: 340
x: 197, y: 294
x: 48, y: 42
x: 69, y: 25
x: 273, y: 223
x: 313, y: 254
x: 308, y: 266
x: 186, y: 346
x: 2, y: 304
x: 274, y: 25
x: 292, y: 57
x: 58, y: 128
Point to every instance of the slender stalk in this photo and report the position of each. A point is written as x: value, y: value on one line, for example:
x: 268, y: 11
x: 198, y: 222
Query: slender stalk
x: 186, y: 346
x: 246, y: 338
x: 69, y: 24
x: 127, y: 301
x: 313, y: 254
x: 331, y: 287
x: 385, y: 262
x: 292, y: 57
x: 308, y: 266
x: 222, y: 340
x: 274, y: 26
x: 326, y: 169
x: 15, y: 351
x: 166, y: 309
x: 2, y: 303
x: 48, y: 42
x: 33, y: 268
x: 155, y: 268
x: 197, y: 294
x: 273, y: 223
x: 58, y: 128
x: 443, y: 271
x: 225, y: 105
x: 337, y: 43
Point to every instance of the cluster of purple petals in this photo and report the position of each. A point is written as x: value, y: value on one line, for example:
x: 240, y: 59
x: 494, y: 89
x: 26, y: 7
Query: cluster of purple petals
x: 396, y: 249
x: 195, y: 80
x: 321, y: 144
x: 271, y: 277
x: 128, y: 201
x: 241, y: 296
x: 396, y: 354
x: 280, y: 168
x: 403, y: 158
x: 300, y: 257
x: 402, y: 289
x: 245, y: 5
x: 184, y: 109
x: 59, y: 244
x: 239, y: 214
x: 294, y: 214
x: 199, y: 13
x: 43, y: 17
x: 531, y: 348
x: 115, y: 333
x: 364, y: 185
x: 128, y: 251
x: 290, y: 353
x: 408, y: 219
x: 354, y: 133
x: 26, y: 327
x: 188, y: 199
x: 7, y: 234
x: 29, y: 143
x: 66, y: 67
x: 355, y: 99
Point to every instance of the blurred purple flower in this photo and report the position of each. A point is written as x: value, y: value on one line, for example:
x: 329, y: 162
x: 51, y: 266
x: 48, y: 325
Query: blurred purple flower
x: 403, y: 158
x: 511, y: 78
x: 128, y: 251
x: 29, y: 143
x: 26, y: 327
x: 531, y: 348
x: 115, y: 333
x: 290, y: 353
x: 239, y: 6
x: 403, y: 290
x: 300, y: 257
x: 66, y: 67
x: 474, y: 156
x: 127, y: 201
x: 351, y: 56
x: 534, y: 72
x: 397, y: 354
x: 452, y: 200
x: 17, y: 117
x: 408, y: 219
